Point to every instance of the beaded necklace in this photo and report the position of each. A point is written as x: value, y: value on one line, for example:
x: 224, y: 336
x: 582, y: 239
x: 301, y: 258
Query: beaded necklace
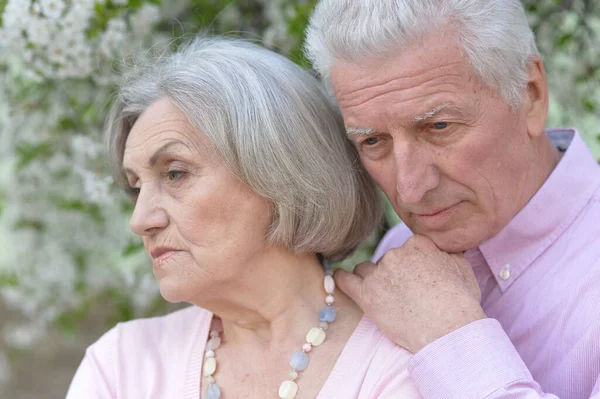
x: 299, y: 361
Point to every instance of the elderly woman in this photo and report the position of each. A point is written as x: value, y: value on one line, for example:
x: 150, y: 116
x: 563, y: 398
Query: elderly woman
x: 245, y: 188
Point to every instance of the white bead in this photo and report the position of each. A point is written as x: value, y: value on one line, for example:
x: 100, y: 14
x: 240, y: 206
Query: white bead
x: 329, y: 284
x: 288, y: 390
x: 210, y: 379
x: 329, y: 300
x: 316, y: 336
x: 210, y: 366
x: 293, y: 375
x: 213, y: 343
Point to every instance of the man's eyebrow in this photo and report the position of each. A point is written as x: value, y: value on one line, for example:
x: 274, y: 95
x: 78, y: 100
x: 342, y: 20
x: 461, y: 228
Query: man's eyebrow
x: 438, y: 109
x: 361, y: 131
x: 158, y: 153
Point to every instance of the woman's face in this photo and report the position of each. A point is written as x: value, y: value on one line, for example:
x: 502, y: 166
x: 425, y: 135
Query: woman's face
x: 201, y: 225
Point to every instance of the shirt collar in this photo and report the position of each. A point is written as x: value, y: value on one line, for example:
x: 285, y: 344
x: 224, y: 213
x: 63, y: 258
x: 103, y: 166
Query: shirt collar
x: 551, y: 210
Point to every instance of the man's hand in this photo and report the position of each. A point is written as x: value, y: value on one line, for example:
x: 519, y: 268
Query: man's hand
x: 416, y: 293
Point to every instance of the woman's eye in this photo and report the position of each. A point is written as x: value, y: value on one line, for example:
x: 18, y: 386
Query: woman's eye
x: 371, y: 141
x: 133, y: 193
x: 440, y: 125
x: 175, y: 174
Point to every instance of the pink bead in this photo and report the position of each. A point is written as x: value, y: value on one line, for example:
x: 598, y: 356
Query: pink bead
x: 307, y: 348
x: 329, y: 284
x: 329, y: 300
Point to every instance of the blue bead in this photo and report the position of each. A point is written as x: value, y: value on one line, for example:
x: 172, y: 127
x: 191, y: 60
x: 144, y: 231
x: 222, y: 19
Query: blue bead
x: 213, y: 391
x: 328, y: 314
x: 299, y: 361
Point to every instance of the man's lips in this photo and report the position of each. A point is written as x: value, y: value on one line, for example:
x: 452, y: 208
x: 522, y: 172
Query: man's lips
x: 437, y: 218
x: 436, y: 212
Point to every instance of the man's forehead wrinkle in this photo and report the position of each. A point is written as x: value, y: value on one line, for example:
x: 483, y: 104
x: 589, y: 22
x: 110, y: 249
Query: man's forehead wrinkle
x: 421, y: 76
x: 393, y: 86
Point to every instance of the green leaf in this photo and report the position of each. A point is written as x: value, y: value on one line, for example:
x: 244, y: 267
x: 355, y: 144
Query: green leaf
x: 3, y: 4
x: 27, y: 152
x: 79, y: 205
x: 589, y: 104
x: 23, y: 224
x: 564, y: 40
x: 8, y: 279
x: 132, y: 247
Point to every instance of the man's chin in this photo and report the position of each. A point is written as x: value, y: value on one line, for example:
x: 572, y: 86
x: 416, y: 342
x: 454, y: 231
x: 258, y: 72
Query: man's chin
x: 450, y: 241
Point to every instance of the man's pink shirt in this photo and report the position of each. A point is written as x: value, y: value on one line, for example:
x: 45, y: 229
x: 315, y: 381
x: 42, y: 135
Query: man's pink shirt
x: 540, y: 284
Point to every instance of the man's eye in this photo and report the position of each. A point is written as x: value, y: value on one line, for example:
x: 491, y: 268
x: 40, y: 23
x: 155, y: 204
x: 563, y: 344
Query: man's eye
x: 440, y: 125
x: 371, y: 141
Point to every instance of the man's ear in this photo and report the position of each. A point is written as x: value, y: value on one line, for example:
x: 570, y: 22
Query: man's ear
x: 536, y: 100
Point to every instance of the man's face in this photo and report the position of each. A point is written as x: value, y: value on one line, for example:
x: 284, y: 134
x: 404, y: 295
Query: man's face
x: 454, y: 159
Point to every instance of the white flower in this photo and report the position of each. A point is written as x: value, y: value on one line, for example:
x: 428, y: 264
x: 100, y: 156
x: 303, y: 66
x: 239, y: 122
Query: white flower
x: 76, y: 21
x: 16, y: 11
x: 84, y: 4
x: 52, y: 9
x: 144, y: 19
x: 40, y: 31
x: 22, y: 335
x: 97, y: 190
x: 57, y: 51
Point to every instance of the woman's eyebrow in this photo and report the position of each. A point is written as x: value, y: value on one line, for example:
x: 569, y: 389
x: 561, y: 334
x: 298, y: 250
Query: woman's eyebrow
x: 154, y: 158
x: 163, y: 149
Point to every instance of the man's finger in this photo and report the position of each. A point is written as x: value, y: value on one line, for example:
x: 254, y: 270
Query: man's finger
x: 364, y: 269
x: 351, y: 285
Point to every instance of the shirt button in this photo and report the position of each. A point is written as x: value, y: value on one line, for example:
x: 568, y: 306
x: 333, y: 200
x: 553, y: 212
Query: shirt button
x: 505, y: 272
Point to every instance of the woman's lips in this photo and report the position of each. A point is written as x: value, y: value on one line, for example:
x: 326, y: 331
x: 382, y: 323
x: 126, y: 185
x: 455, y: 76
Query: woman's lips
x: 161, y: 254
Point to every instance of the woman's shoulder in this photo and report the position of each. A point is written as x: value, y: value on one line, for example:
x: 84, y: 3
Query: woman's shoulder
x: 178, y: 328
x: 153, y: 357
x: 377, y: 365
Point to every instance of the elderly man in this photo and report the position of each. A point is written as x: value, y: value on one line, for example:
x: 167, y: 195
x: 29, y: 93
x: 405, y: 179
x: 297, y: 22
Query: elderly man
x: 497, y: 293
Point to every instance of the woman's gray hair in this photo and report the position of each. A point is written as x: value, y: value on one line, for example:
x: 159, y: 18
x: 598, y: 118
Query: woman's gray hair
x: 494, y: 35
x: 276, y: 129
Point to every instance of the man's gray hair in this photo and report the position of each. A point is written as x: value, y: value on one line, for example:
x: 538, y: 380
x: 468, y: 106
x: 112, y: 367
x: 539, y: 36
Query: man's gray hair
x: 274, y: 126
x: 494, y: 35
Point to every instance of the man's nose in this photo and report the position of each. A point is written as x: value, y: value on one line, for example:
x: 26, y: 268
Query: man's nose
x: 148, y: 216
x: 416, y: 173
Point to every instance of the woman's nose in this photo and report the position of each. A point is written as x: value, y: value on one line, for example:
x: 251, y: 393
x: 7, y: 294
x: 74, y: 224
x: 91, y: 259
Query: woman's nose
x: 148, y: 216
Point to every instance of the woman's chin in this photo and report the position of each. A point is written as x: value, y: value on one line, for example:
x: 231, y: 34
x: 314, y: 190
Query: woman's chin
x: 173, y: 293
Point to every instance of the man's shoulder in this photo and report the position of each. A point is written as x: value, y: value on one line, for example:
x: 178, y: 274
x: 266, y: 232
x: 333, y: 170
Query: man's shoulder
x: 394, y: 238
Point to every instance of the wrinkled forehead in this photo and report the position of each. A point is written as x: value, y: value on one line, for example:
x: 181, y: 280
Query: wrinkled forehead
x: 160, y: 124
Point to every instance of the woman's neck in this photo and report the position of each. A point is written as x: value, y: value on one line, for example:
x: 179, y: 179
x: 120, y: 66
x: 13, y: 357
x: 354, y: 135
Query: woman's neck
x: 275, y: 301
